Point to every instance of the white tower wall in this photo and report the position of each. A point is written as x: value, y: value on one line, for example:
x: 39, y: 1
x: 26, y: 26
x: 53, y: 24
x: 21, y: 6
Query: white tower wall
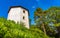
x: 16, y: 14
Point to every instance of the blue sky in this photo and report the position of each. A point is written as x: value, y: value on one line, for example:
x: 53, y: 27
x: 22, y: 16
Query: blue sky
x: 29, y: 4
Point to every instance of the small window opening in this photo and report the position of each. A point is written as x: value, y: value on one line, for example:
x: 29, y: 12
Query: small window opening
x: 23, y: 17
x: 23, y: 11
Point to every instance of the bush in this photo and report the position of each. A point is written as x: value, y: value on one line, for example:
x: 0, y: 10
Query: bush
x: 9, y: 29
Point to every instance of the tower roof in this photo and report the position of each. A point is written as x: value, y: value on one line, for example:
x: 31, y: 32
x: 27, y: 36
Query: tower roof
x: 17, y: 7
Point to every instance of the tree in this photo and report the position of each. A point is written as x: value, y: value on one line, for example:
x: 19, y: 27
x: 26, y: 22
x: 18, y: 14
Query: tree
x: 48, y: 20
x: 54, y: 17
x: 39, y: 16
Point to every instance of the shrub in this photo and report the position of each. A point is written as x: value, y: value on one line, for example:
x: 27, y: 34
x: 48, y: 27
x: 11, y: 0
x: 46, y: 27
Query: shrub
x: 9, y: 29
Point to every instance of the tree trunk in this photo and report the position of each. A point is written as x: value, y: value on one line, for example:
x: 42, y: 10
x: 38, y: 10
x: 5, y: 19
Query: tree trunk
x: 43, y: 28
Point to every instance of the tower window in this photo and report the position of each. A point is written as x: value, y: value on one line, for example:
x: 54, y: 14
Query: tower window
x: 23, y: 11
x: 23, y: 17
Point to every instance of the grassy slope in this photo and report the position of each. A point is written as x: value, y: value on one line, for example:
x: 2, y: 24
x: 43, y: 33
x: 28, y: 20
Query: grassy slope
x: 9, y: 29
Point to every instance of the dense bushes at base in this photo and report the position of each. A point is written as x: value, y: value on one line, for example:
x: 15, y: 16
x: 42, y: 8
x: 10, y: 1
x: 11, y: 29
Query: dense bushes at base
x: 9, y: 29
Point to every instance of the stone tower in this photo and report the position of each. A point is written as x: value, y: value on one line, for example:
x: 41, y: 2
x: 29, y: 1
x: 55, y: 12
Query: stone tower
x: 19, y: 14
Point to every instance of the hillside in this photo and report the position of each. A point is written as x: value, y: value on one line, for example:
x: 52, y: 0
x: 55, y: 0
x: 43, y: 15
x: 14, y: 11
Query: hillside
x: 9, y: 29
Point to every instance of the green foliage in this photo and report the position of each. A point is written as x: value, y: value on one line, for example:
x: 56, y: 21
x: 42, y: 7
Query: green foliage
x: 50, y: 18
x: 9, y: 29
